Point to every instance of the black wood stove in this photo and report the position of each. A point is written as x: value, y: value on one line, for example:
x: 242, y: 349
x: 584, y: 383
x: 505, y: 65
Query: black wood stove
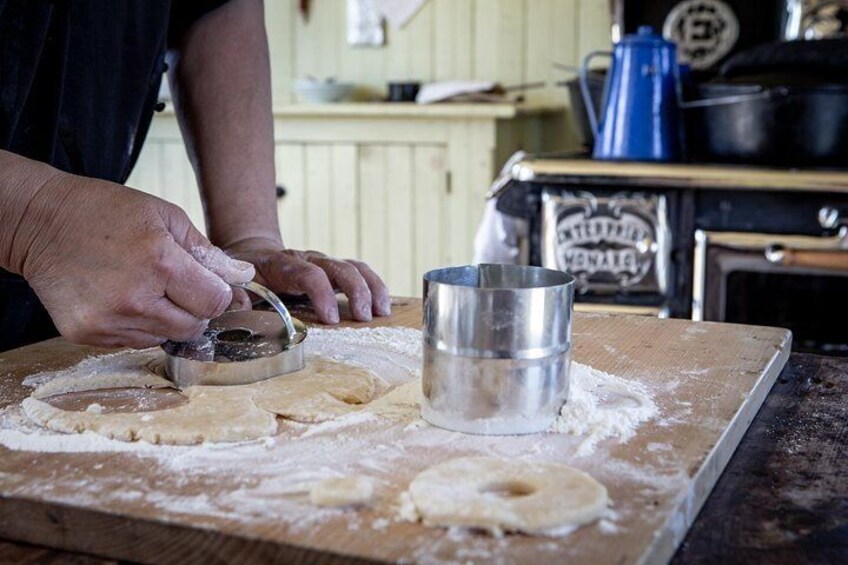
x: 730, y: 244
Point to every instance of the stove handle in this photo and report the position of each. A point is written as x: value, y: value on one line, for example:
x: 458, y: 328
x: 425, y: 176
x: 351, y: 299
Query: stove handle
x: 813, y: 259
x: 831, y: 218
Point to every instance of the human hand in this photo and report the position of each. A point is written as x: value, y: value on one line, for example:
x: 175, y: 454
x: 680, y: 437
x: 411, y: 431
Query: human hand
x: 117, y: 267
x: 312, y: 273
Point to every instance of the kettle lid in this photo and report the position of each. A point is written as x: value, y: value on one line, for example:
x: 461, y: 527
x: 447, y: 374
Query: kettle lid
x: 645, y: 36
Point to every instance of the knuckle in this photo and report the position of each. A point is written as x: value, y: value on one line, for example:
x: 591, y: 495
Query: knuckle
x: 314, y: 277
x: 130, y: 305
x: 346, y: 269
x: 310, y: 270
x: 356, y: 264
x: 156, y: 250
x: 165, y: 208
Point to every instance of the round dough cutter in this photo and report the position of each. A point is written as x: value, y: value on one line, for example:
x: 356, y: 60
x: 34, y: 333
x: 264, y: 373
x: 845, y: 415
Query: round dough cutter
x: 240, y: 347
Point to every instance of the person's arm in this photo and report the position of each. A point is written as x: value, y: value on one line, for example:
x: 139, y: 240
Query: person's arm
x: 113, y: 266
x: 220, y: 79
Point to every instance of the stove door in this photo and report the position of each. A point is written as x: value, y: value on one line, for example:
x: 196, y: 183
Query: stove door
x: 795, y: 282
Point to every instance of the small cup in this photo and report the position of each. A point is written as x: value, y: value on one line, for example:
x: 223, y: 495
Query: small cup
x: 403, y: 91
x: 497, y: 346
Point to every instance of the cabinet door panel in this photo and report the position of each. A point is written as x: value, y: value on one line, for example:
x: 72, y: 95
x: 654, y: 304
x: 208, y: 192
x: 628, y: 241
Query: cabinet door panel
x: 321, y: 206
x: 431, y: 199
x: 319, y: 197
x: 400, y: 221
x: 373, y: 208
x: 386, y: 185
x: 403, y: 202
x: 291, y: 174
x: 344, y: 206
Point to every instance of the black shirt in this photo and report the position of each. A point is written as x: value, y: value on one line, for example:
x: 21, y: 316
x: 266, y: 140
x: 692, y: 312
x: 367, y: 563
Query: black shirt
x: 78, y: 87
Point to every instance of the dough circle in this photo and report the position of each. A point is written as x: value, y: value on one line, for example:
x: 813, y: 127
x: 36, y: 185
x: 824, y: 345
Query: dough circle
x: 533, y: 497
x: 323, y: 390
x: 342, y: 491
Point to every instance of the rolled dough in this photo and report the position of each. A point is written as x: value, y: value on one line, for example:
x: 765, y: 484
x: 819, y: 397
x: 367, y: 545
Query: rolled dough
x: 342, y: 491
x: 494, y: 494
x: 323, y: 390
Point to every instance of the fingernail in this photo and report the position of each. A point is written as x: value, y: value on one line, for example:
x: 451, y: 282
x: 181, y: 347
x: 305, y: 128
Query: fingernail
x: 363, y: 313
x: 331, y: 315
x: 240, y: 265
x: 384, y: 308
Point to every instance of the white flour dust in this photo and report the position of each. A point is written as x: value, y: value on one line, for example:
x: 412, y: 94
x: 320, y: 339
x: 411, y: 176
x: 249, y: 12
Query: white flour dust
x: 601, y: 406
x: 214, y: 259
x: 265, y: 481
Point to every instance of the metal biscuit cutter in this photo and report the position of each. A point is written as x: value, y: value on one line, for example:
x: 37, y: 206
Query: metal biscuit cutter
x: 240, y: 347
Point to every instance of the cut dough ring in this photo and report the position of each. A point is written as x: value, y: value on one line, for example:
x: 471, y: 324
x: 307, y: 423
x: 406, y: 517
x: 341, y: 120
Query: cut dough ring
x: 512, y: 495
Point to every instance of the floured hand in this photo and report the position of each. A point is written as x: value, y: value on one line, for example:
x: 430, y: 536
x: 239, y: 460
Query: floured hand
x: 316, y: 275
x: 117, y: 267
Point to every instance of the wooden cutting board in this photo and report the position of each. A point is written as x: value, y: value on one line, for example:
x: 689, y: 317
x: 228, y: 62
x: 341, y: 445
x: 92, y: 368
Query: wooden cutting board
x: 708, y: 380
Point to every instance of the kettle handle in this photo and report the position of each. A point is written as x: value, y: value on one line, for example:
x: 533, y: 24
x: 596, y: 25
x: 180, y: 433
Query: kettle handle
x: 584, y: 89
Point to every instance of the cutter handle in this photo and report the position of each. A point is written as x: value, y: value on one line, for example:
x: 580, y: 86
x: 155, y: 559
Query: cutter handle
x: 274, y: 301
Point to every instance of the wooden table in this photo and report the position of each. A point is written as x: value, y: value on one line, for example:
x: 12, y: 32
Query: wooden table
x: 782, y: 498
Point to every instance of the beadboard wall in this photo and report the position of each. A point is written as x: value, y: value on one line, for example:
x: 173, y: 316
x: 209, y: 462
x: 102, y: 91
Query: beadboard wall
x: 400, y: 186
x: 509, y: 41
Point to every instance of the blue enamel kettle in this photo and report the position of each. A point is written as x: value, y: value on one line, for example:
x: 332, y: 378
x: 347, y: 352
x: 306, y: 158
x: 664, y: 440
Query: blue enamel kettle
x: 640, y: 118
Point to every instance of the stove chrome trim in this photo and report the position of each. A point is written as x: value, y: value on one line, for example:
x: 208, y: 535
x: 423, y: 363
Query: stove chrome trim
x: 652, y: 176
x: 622, y: 309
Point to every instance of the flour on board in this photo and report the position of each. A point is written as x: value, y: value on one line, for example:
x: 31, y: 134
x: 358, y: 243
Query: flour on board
x: 264, y: 481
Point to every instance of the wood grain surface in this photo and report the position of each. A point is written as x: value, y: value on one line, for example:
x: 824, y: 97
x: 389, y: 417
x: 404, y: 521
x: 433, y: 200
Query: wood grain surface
x: 722, y: 372
x: 740, y: 521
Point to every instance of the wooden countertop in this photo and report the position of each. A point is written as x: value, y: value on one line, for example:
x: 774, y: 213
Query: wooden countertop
x: 676, y: 175
x: 781, y: 498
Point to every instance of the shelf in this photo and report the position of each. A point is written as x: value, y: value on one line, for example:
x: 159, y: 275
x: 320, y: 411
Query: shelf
x: 410, y: 110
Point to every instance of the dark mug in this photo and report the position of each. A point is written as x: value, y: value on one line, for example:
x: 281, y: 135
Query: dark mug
x: 403, y: 91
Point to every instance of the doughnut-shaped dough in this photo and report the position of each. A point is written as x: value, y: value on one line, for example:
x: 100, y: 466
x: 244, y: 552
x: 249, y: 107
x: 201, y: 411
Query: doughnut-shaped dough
x: 342, y: 491
x: 507, y: 495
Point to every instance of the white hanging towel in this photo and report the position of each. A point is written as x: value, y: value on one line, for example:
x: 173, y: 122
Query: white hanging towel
x: 398, y: 12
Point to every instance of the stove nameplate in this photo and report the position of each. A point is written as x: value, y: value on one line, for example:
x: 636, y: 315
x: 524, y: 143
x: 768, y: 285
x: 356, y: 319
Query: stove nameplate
x: 614, y: 243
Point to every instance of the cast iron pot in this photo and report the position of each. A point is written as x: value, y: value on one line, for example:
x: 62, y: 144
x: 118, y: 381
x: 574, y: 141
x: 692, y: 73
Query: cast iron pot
x: 580, y: 118
x: 774, y: 125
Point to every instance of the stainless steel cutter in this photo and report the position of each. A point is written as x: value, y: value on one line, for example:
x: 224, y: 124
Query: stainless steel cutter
x: 240, y: 347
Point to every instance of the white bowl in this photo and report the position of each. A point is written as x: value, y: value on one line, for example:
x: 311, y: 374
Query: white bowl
x: 322, y: 92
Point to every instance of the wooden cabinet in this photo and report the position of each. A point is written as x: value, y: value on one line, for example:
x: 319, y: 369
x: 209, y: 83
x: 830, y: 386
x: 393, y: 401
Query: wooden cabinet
x: 399, y: 186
